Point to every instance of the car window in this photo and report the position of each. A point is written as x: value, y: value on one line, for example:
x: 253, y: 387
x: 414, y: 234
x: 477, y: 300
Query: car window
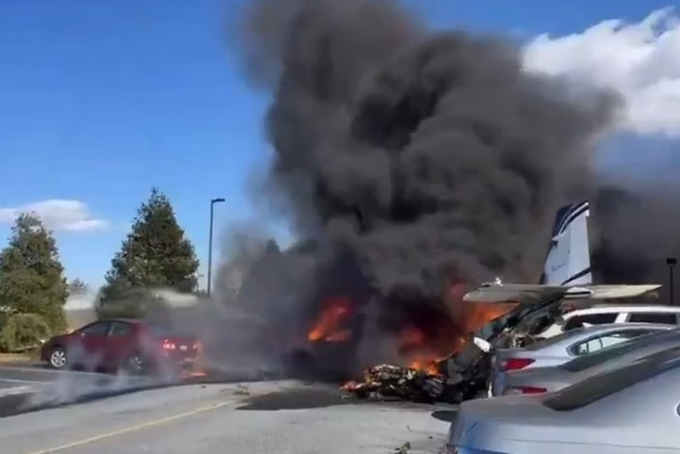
x: 165, y: 330
x: 554, y: 339
x: 591, y: 319
x: 599, y: 386
x: 609, y: 353
x: 654, y: 317
x: 120, y: 329
x: 607, y: 340
x: 586, y: 347
x: 96, y: 329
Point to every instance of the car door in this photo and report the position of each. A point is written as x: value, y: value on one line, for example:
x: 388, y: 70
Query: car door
x: 93, y: 340
x: 120, y: 343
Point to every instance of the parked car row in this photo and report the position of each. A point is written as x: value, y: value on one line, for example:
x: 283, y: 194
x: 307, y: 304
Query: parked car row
x: 132, y: 346
x: 606, y: 388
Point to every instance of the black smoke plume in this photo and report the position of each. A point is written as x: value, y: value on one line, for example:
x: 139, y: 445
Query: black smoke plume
x: 431, y: 156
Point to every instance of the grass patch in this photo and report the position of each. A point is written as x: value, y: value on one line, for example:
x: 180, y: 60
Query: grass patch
x: 23, y: 357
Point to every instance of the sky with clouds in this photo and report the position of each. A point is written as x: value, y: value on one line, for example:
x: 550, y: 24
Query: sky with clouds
x: 103, y: 100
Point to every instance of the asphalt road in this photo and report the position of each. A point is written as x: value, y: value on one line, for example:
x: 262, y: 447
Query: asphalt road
x: 25, y: 388
x: 18, y: 378
x: 268, y: 417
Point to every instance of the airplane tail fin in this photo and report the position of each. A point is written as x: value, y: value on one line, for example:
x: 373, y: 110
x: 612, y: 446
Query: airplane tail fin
x: 567, y: 273
x: 568, y: 261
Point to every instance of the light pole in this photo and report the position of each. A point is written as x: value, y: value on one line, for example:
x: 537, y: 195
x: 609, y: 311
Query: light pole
x: 210, y: 241
x: 671, y: 262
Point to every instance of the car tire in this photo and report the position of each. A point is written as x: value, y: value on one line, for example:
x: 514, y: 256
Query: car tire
x: 135, y: 364
x: 58, y: 358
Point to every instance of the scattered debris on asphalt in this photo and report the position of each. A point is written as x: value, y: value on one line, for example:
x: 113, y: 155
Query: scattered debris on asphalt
x: 403, y: 449
x: 387, y: 381
x: 242, y: 390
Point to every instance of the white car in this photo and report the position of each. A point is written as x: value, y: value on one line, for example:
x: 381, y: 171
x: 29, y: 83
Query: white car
x: 606, y: 313
x: 560, y: 349
x: 632, y: 409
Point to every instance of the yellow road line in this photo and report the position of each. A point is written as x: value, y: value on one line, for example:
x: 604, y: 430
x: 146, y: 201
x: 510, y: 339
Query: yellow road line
x: 156, y: 422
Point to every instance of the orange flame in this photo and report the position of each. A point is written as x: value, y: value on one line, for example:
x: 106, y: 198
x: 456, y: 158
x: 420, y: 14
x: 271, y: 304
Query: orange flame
x: 425, y: 354
x: 328, y: 327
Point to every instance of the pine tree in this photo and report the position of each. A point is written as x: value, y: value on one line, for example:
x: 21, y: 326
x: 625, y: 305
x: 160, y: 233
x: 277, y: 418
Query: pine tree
x: 77, y: 287
x: 155, y: 254
x: 32, y: 278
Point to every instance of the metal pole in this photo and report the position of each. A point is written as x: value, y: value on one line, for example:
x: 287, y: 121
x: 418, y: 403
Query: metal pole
x: 671, y: 284
x: 671, y: 262
x: 210, y: 243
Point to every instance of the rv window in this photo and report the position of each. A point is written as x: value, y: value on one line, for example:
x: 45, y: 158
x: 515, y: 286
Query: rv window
x: 605, y: 384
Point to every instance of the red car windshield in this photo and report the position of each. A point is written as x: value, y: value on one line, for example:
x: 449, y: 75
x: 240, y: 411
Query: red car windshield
x: 167, y: 331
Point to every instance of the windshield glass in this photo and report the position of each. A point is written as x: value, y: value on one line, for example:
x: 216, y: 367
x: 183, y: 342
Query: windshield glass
x: 554, y: 340
x: 166, y: 331
x: 617, y: 350
x: 602, y: 385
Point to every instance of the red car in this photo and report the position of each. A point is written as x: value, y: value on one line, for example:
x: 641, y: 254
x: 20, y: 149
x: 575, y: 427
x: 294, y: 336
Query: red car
x: 120, y: 344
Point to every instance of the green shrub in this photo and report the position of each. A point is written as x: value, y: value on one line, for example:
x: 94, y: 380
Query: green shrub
x: 23, y: 332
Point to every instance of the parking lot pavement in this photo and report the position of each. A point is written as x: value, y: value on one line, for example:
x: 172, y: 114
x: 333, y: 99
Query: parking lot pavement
x: 272, y: 417
x: 34, y: 376
x: 24, y: 378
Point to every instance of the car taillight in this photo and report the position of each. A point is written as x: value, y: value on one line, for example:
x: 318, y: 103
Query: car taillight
x: 515, y: 364
x: 168, y: 345
x: 524, y: 390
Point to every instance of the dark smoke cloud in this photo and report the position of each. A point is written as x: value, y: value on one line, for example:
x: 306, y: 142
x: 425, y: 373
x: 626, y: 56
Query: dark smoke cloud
x: 430, y: 156
x: 637, y: 223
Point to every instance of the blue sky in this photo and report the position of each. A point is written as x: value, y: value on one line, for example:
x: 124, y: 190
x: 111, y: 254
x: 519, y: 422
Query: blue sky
x: 100, y: 101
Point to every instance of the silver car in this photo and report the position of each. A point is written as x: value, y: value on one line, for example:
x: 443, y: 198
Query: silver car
x: 563, y: 348
x: 547, y: 379
x: 633, y: 409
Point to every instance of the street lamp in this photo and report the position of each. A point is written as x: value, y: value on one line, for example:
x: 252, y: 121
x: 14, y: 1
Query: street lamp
x: 671, y: 262
x: 210, y: 240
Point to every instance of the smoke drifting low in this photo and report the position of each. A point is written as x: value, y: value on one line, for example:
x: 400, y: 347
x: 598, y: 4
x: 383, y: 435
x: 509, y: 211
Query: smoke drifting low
x: 430, y: 156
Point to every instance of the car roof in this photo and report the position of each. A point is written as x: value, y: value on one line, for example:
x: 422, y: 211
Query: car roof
x: 608, y: 309
x: 124, y: 320
x: 605, y: 327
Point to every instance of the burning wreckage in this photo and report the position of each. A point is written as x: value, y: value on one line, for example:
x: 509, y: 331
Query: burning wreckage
x: 444, y: 347
x: 464, y: 374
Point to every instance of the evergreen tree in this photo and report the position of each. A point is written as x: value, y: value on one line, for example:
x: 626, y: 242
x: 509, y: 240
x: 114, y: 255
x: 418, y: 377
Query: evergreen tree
x: 32, y: 278
x: 155, y: 254
x: 77, y: 287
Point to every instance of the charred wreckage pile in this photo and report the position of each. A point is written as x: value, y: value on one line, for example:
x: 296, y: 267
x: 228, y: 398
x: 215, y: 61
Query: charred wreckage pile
x: 464, y: 373
x: 436, y: 161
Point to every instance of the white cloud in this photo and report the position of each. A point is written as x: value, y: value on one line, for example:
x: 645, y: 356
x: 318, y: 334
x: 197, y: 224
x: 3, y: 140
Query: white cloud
x: 60, y: 215
x: 640, y: 60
